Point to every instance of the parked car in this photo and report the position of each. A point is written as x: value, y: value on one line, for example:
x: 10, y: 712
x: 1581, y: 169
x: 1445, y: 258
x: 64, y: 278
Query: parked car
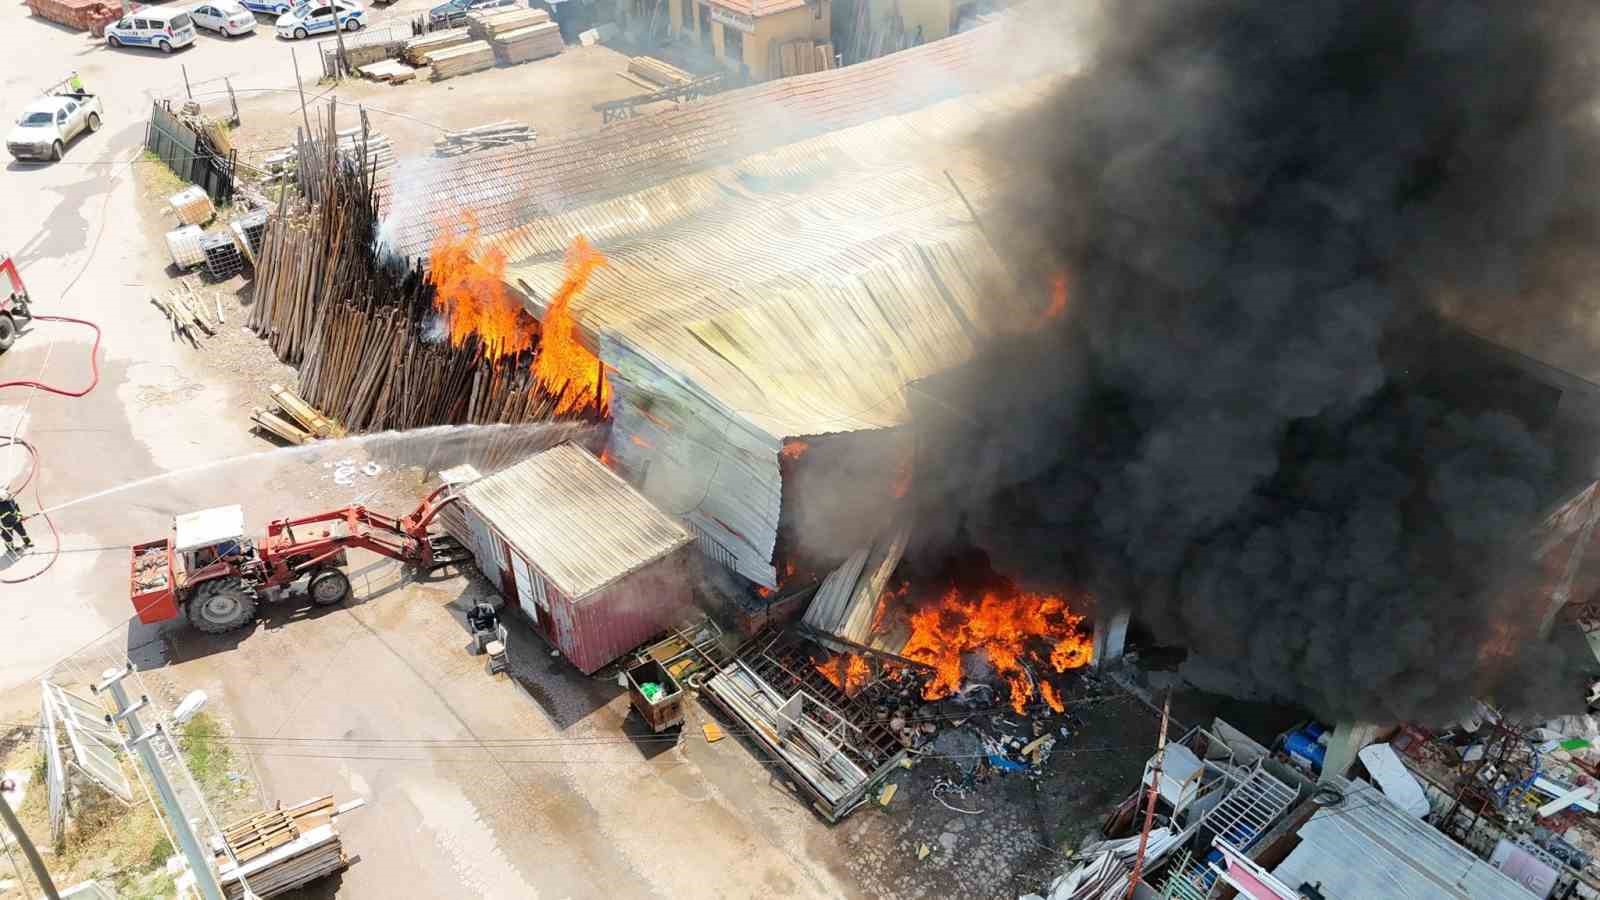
x: 454, y: 12
x: 226, y: 17
x: 164, y: 29
x: 317, y: 18
x: 48, y: 124
x: 269, y: 7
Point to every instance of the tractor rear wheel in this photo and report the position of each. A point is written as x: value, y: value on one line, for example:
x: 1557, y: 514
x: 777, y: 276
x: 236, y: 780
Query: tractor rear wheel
x: 222, y: 605
x: 329, y: 587
x: 8, y: 332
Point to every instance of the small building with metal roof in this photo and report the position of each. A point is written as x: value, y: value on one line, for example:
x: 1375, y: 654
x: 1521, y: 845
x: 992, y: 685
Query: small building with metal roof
x: 595, y: 567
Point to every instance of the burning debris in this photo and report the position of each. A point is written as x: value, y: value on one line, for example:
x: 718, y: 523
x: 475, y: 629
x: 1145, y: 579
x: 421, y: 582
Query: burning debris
x: 1006, y: 629
x: 564, y: 367
x: 849, y: 672
x: 470, y: 294
x: 1259, y: 207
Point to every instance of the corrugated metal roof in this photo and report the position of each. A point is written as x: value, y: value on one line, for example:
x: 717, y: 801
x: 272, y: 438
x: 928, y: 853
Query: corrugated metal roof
x: 508, y: 187
x: 848, y: 598
x: 1368, y: 847
x: 577, y: 521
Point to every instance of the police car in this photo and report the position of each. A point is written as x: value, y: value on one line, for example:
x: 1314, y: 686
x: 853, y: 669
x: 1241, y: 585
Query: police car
x: 318, y: 17
x: 164, y: 29
x: 270, y: 7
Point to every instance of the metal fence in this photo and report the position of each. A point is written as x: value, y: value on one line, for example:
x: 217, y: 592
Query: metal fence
x: 188, y: 155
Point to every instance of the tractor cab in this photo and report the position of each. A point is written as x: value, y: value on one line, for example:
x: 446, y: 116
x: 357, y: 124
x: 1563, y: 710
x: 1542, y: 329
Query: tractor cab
x: 203, y: 542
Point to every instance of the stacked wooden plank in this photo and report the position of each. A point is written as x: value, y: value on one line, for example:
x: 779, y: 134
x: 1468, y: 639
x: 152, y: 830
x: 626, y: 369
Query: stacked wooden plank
x: 527, y: 44
x: 280, y: 849
x: 417, y: 49
x: 658, y: 72
x: 285, y: 161
x: 499, y: 134
x: 473, y: 56
x: 490, y: 24
x: 800, y: 57
x: 390, y: 70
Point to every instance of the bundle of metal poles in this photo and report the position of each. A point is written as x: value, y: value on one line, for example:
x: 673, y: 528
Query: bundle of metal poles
x: 361, y: 325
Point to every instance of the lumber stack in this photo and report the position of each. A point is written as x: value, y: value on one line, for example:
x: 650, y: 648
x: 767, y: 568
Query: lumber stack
x: 658, y: 71
x: 390, y: 70
x: 281, y: 849
x: 348, y: 143
x: 418, y: 48
x: 527, y: 44
x: 362, y: 326
x: 490, y: 24
x: 473, y: 56
x: 800, y: 57
x: 499, y: 134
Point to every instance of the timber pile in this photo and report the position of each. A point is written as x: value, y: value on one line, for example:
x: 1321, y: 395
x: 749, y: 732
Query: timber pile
x: 474, y: 56
x: 281, y: 849
x: 490, y: 24
x: 659, y: 72
x: 527, y: 44
x: 800, y: 57
x: 285, y: 161
x: 295, y: 420
x: 392, y: 71
x: 418, y: 49
x: 190, y: 312
x: 499, y: 134
x: 362, y: 328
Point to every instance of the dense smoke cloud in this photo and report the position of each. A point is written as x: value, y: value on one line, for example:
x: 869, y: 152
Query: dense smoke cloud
x: 1260, y: 205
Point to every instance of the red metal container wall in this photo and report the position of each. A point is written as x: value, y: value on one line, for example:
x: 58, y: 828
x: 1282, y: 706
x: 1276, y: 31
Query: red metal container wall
x: 610, y: 623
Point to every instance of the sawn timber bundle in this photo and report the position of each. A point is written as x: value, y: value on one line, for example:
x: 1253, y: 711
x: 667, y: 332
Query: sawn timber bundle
x: 361, y: 325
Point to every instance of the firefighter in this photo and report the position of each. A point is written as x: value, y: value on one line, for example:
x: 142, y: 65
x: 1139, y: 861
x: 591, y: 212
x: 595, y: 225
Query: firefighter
x: 11, y: 520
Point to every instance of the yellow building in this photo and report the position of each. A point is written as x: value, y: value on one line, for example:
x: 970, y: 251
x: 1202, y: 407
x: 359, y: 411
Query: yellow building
x: 746, y: 35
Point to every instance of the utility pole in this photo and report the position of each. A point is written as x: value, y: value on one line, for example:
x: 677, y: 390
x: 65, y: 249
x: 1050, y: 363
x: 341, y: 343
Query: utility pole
x: 1150, y: 804
x: 34, y: 860
x: 139, y: 739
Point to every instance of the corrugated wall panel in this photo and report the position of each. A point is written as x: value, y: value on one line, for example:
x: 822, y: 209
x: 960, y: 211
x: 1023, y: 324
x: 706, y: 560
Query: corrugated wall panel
x: 623, y: 616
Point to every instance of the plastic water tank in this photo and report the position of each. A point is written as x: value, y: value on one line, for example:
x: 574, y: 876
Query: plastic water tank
x: 1304, y: 746
x: 184, y: 245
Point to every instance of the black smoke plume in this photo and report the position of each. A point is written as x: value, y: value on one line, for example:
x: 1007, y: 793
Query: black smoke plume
x: 1261, y: 207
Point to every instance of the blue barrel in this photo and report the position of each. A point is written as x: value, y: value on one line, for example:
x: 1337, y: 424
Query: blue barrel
x: 1305, y: 746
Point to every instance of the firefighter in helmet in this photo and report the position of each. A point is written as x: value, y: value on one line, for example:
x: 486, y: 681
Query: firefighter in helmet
x: 11, y: 521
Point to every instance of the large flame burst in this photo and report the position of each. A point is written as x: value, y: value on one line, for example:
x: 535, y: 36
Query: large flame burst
x: 565, y: 368
x: 1006, y: 627
x: 470, y: 293
x: 849, y: 672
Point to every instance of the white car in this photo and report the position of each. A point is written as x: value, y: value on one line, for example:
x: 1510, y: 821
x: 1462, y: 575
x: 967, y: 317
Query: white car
x: 48, y: 124
x: 318, y: 18
x: 226, y: 17
x: 163, y: 29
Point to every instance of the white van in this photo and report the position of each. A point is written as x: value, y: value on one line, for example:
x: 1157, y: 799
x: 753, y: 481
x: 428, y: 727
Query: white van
x: 164, y: 29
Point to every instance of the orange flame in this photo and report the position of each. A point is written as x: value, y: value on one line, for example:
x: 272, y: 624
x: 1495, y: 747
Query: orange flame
x: 1005, y: 628
x: 1058, y: 297
x: 640, y: 442
x: 763, y: 592
x: 902, y: 477
x: 564, y: 367
x: 795, y: 448
x: 606, y: 459
x: 849, y: 672
x: 470, y: 292
x: 1048, y: 692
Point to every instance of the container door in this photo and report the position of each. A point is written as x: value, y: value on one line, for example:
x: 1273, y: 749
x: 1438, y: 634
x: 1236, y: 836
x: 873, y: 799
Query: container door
x: 531, y: 593
x: 482, y: 542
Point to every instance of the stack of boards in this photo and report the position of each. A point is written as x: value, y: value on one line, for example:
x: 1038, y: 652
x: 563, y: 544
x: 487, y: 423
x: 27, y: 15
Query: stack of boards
x: 517, y: 35
x: 418, y: 49
x: 282, y: 849
x: 462, y: 59
x: 658, y: 72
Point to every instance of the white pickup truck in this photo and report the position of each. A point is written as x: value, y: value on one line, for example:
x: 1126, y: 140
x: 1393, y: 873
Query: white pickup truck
x: 48, y: 124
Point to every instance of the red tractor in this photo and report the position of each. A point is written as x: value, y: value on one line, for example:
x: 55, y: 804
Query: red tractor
x: 13, y: 301
x: 209, y: 570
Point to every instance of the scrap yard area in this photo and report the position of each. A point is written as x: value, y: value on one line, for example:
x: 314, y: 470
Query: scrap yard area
x: 796, y: 448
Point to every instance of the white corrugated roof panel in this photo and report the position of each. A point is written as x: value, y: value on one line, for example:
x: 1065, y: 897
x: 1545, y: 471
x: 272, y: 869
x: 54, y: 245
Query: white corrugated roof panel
x: 578, y: 522
x: 208, y: 526
x: 1368, y: 847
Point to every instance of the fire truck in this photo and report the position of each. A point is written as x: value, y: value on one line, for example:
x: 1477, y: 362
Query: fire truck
x: 207, y: 569
x: 13, y: 301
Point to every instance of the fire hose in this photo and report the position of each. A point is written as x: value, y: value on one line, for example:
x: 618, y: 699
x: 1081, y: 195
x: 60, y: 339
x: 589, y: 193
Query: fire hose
x: 33, y: 452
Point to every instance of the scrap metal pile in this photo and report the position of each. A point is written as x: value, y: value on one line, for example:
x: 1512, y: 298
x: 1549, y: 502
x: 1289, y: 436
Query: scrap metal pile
x: 383, y: 343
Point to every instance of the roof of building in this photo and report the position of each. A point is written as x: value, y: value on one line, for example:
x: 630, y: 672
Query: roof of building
x: 508, y: 187
x: 1368, y: 847
x: 580, y: 524
x: 803, y: 288
x: 208, y: 526
x: 760, y: 7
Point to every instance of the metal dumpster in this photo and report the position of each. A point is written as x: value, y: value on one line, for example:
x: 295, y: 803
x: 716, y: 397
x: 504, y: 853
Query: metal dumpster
x: 666, y: 710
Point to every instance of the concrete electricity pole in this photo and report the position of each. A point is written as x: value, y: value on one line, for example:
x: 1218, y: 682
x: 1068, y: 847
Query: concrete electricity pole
x: 35, y: 861
x: 139, y: 739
